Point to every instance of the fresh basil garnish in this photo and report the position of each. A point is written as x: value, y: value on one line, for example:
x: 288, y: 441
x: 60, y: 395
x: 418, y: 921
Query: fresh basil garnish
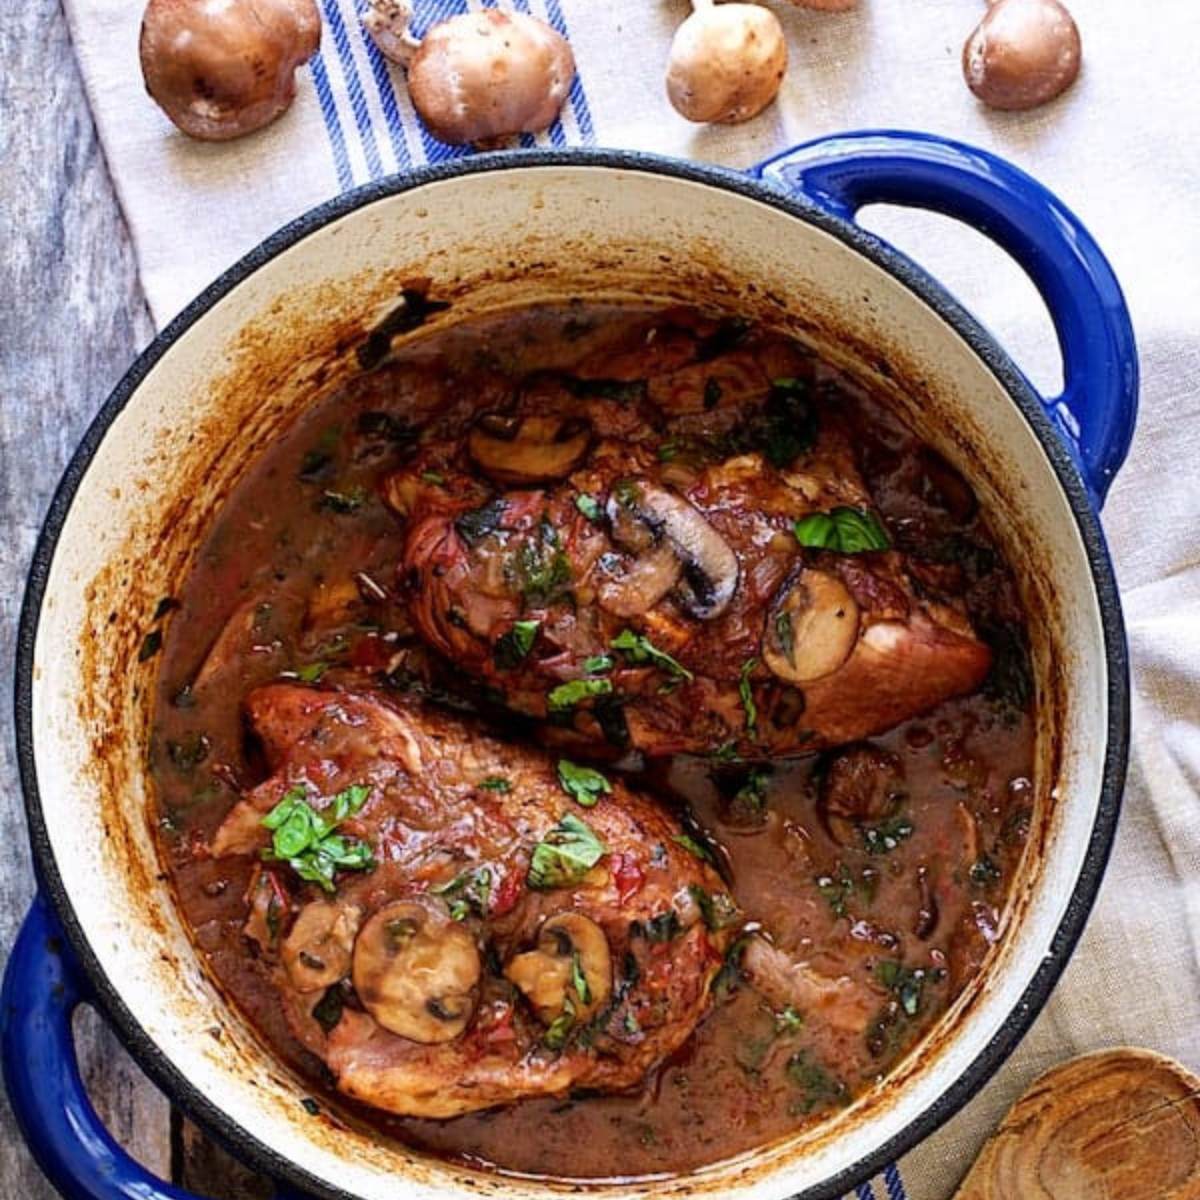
x: 842, y: 530
x: 584, y: 785
x: 513, y: 647
x: 567, y: 695
x: 304, y: 837
x: 640, y: 649
x: 564, y: 855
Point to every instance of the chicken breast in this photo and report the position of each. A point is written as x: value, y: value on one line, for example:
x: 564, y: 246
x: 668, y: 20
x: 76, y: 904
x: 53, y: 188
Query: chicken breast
x: 690, y: 564
x: 456, y: 922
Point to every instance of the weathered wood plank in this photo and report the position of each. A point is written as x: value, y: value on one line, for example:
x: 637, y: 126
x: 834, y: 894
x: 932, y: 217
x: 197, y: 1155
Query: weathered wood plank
x: 71, y: 320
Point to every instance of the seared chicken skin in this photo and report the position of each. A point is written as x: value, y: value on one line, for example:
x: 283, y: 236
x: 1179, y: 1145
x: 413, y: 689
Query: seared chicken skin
x: 681, y: 559
x: 456, y: 922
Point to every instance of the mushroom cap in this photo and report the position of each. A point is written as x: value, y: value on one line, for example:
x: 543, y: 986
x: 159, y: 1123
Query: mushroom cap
x: 813, y: 630
x: 482, y: 76
x: 571, y: 949
x: 1022, y: 54
x: 223, y: 68
x: 417, y: 971
x: 533, y: 450
x: 316, y: 952
x: 727, y: 62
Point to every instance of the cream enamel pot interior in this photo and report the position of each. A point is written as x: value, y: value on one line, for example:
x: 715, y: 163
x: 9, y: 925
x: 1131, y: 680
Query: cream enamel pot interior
x: 282, y: 327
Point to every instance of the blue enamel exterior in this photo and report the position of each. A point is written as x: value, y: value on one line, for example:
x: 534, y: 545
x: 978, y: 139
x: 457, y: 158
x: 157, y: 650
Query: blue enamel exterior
x: 43, y: 981
x: 1098, y: 407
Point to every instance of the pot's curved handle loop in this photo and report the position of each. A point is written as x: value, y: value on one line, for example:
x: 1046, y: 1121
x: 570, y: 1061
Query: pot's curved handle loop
x: 43, y: 985
x: 1097, y: 409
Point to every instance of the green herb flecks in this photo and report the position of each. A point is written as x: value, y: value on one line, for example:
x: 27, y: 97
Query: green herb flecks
x: 304, y: 837
x: 842, y: 530
x: 885, y: 837
x: 543, y: 569
x: 905, y: 983
x: 598, y: 664
x: 746, y: 692
x: 496, y: 783
x: 467, y: 893
x: 589, y: 506
x: 640, y: 649
x: 818, y: 1086
x: 579, y: 979
x: 434, y: 477
x: 788, y: 1020
x: 984, y: 871
x: 749, y: 803
x: 311, y: 672
x: 513, y: 647
x: 664, y: 927
x: 692, y: 846
x: 584, y: 785
x: 564, y: 855
x: 567, y: 695
x: 718, y: 910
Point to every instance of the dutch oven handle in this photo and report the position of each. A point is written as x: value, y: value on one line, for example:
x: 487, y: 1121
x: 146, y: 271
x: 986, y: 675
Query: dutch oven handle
x: 1096, y: 411
x: 43, y: 985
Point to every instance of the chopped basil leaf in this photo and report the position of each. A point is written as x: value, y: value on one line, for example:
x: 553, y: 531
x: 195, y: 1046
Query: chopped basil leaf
x: 311, y: 672
x: 543, y: 568
x: 475, y: 525
x: 151, y: 645
x: 907, y: 984
x: 583, y: 784
x: 565, y: 855
x: 750, y: 800
x: 693, y: 847
x: 885, y: 837
x: 747, y: 694
x: 495, y: 783
x: 843, y: 530
x: 783, y: 636
x: 579, y: 980
x: 560, y: 1028
x: 631, y: 1024
x: 303, y: 837
x: 513, y: 647
x: 597, y: 664
x: 470, y: 891
x: 567, y: 695
x: 589, y: 506
x: 818, y: 1086
x: 718, y: 911
x: 640, y: 649
x: 434, y: 477
x: 788, y: 1021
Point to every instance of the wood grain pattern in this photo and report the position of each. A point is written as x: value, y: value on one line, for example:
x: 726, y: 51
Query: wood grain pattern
x: 1116, y: 1125
x: 71, y: 322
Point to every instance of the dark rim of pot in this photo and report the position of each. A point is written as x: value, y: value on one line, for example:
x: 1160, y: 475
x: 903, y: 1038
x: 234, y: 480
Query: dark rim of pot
x: 989, y: 1059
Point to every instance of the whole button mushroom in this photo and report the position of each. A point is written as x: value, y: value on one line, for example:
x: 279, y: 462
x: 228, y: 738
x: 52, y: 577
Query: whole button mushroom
x: 478, y: 77
x: 1022, y: 54
x: 223, y: 68
x: 727, y: 62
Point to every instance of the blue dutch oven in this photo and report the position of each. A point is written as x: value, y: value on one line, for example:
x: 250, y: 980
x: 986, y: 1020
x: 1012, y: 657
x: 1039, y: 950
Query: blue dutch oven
x: 779, y: 244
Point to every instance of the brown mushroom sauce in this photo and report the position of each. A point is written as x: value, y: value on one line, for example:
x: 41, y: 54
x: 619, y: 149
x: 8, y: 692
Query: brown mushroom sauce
x: 872, y: 877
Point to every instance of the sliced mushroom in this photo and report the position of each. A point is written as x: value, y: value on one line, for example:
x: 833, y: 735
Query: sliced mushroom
x: 316, y: 953
x: 571, y: 963
x: 813, y: 630
x: 860, y: 783
x: 417, y: 972
x: 641, y: 586
x: 528, y: 450
x: 709, y: 568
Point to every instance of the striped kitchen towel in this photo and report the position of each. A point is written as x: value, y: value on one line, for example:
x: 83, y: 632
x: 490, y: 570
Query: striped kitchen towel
x: 194, y: 208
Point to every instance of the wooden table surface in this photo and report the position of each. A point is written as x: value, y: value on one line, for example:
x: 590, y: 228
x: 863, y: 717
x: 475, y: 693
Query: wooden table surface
x: 71, y: 321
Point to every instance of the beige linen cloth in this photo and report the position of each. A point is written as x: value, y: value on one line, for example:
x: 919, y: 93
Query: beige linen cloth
x: 1122, y: 149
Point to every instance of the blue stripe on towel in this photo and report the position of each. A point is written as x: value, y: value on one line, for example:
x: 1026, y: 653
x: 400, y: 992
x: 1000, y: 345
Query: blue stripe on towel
x: 578, y: 97
x: 895, y: 1185
x: 333, y: 125
x: 387, y: 92
x: 358, y: 100
x: 864, y: 1191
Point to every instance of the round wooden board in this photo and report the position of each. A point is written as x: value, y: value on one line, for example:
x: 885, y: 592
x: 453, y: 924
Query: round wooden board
x: 1116, y: 1125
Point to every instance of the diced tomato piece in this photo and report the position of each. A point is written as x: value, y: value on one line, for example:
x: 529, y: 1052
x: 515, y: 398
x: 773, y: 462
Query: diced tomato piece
x: 505, y: 897
x: 627, y: 875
